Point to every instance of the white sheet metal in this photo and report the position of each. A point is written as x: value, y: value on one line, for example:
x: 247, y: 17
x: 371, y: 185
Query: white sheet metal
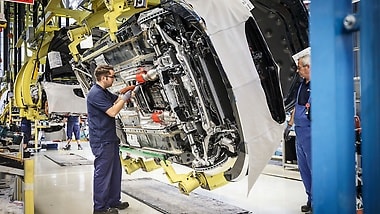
x: 62, y: 99
x: 225, y: 21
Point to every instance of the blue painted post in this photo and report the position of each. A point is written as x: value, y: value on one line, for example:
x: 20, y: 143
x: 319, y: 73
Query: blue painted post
x: 333, y: 145
x: 370, y: 102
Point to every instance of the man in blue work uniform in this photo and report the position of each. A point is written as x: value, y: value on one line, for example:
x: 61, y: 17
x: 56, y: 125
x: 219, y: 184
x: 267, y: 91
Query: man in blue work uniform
x: 102, y: 107
x: 26, y: 128
x: 72, y: 126
x: 302, y: 121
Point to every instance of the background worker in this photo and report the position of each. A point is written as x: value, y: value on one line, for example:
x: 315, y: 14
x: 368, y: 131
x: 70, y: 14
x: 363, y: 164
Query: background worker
x: 72, y: 127
x: 102, y: 107
x: 26, y: 128
x: 302, y: 121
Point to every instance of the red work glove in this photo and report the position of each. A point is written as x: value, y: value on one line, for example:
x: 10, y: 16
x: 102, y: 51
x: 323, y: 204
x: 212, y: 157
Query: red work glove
x: 127, y: 88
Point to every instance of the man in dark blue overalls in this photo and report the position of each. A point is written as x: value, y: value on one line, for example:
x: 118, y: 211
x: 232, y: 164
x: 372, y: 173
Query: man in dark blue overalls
x: 102, y: 107
x: 302, y: 122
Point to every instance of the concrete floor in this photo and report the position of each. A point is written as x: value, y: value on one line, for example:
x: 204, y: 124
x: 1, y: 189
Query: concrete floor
x: 65, y: 190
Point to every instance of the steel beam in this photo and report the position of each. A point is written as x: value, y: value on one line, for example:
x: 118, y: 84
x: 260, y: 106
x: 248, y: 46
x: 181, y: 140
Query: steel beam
x: 333, y: 148
x: 370, y: 101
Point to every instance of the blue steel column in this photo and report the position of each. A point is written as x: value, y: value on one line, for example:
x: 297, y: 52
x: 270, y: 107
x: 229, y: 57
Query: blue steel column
x: 370, y: 102
x: 333, y: 148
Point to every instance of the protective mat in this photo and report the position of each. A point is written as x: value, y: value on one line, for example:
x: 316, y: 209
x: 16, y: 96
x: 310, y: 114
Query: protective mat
x: 168, y: 199
x: 68, y: 159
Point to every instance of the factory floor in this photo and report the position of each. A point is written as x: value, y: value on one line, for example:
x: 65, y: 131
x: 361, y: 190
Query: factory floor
x: 68, y: 189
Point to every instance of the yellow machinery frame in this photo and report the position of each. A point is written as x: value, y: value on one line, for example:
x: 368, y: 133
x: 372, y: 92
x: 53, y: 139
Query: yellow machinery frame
x: 105, y: 15
x: 186, y: 182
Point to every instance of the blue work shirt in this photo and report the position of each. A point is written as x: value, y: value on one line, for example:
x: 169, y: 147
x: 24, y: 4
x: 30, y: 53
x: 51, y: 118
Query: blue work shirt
x: 73, y: 119
x: 102, y: 127
x: 304, y: 93
x: 301, y: 117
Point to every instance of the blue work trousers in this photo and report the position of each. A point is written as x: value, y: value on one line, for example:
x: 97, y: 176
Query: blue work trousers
x: 107, y: 175
x: 73, y: 127
x: 303, y: 150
